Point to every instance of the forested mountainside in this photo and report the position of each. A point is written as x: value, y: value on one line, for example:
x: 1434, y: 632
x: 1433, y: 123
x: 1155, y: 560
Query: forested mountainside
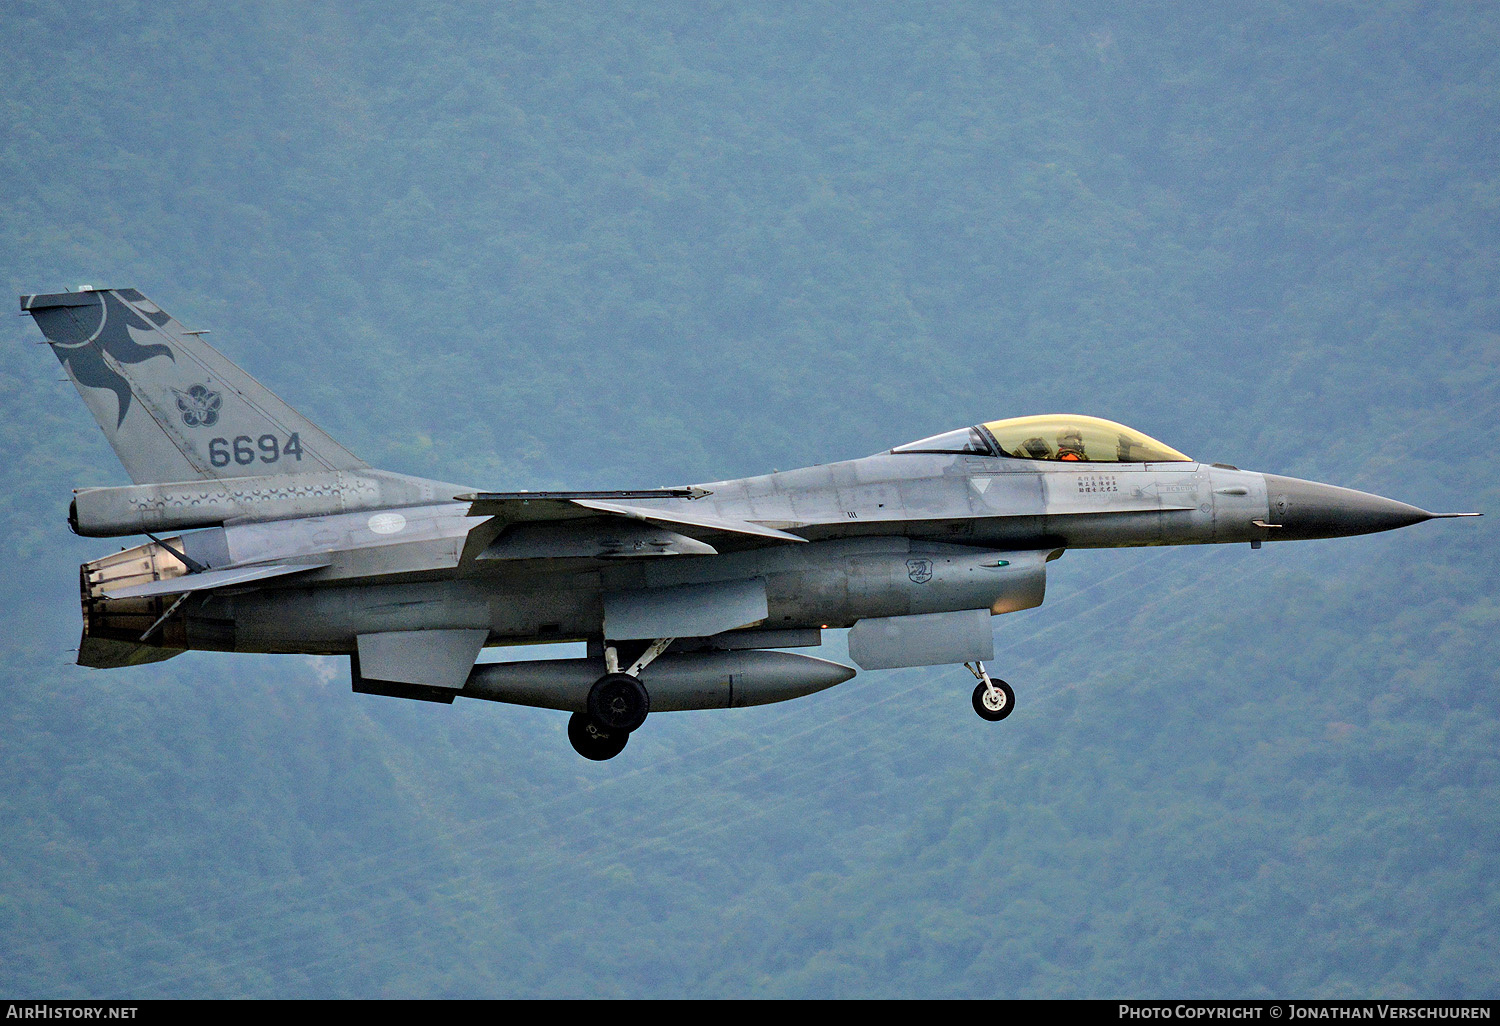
x: 574, y: 245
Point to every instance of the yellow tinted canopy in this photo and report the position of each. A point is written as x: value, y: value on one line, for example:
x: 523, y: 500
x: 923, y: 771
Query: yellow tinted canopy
x: 1062, y: 437
x: 1070, y: 437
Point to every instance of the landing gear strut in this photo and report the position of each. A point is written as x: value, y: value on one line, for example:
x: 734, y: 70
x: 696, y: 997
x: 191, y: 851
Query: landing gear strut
x: 617, y: 704
x: 993, y: 699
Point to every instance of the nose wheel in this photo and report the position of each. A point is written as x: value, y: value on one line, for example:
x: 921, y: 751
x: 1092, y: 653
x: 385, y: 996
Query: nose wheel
x: 993, y: 699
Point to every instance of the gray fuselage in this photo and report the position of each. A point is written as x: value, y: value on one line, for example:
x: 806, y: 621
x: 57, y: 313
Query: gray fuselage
x: 889, y: 535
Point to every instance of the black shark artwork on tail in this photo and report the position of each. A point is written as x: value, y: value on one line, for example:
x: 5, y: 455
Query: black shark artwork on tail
x: 103, y: 323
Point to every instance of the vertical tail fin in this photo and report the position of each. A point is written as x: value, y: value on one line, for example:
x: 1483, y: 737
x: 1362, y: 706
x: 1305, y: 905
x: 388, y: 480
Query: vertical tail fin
x: 172, y: 406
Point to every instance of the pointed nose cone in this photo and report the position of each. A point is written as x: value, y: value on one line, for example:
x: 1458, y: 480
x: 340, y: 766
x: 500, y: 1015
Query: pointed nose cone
x: 1307, y: 509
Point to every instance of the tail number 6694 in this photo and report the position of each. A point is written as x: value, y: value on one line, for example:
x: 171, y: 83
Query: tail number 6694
x: 244, y: 450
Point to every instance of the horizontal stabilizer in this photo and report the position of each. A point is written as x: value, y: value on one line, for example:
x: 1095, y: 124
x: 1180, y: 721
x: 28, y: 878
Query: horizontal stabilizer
x: 209, y: 579
x: 112, y: 654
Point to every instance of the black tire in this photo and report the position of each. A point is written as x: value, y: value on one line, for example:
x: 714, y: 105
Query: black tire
x: 983, y: 707
x: 593, y: 743
x: 618, y: 701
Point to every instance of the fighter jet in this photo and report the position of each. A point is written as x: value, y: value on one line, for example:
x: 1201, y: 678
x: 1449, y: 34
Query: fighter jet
x: 266, y: 535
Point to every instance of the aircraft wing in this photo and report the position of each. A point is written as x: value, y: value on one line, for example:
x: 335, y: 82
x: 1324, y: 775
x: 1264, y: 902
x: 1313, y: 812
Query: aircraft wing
x: 505, y: 509
x: 711, y: 523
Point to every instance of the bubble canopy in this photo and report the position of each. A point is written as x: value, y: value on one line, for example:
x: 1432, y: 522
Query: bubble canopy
x: 1058, y: 437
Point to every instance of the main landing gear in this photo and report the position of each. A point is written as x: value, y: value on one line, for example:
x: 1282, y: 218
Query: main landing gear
x: 993, y: 699
x: 618, y: 702
x: 594, y: 742
x: 617, y: 705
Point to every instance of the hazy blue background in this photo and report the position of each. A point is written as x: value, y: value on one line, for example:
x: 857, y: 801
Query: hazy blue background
x: 583, y: 245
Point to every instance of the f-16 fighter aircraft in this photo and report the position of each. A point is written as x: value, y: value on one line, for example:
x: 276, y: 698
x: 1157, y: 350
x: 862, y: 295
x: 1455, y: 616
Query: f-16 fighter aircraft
x: 269, y: 536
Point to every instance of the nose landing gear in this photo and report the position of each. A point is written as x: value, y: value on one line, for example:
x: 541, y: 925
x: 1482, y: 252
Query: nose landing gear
x: 993, y: 699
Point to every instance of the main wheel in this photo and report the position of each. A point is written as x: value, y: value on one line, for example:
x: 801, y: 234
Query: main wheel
x: 618, y: 701
x: 994, y: 707
x: 591, y: 742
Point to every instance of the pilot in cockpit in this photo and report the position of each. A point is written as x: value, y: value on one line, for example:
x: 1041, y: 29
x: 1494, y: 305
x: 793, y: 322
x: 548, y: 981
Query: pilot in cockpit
x: 1070, y: 445
x: 1078, y: 439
